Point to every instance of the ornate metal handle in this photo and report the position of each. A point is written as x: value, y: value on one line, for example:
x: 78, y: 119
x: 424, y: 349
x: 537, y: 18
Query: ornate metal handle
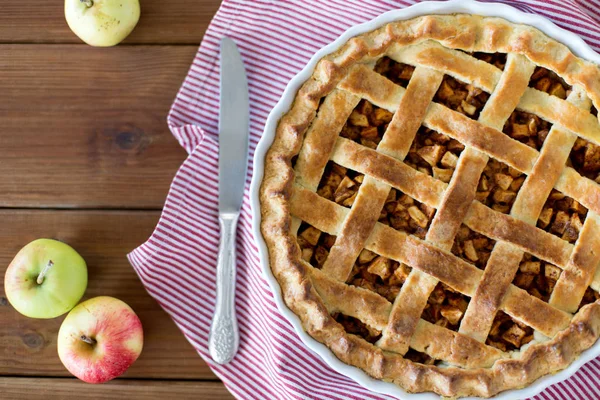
x: 224, y: 336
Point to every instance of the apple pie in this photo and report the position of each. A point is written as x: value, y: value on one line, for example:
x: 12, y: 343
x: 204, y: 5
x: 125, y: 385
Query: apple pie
x: 431, y: 204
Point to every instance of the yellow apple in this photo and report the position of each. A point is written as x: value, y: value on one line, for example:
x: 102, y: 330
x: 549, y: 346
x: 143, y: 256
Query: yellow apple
x: 102, y: 23
x: 45, y: 279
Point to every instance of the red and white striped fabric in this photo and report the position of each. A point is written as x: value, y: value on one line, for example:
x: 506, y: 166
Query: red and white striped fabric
x: 177, y: 264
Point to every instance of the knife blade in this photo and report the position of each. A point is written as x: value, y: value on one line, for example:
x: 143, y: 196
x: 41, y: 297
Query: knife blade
x: 234, y: 117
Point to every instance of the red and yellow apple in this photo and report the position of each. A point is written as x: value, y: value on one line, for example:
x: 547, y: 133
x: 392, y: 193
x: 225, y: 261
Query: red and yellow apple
x: 100, y: 339
x: 102, y: 23
x: 45, y: 279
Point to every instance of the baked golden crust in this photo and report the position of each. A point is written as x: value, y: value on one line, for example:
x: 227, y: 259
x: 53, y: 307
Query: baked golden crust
x: 310, y: 130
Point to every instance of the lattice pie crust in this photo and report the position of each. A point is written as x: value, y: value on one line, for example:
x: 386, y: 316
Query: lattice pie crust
x: 431, y: 204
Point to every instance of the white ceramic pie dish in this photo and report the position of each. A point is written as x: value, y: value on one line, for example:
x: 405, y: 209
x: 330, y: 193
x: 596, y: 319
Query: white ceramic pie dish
x: 577, y: 46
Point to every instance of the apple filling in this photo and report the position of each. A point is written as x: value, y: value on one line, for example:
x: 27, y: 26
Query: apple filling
x: 314, y: 244
x: 531, y: 129
x: 527, y: 128
x: 508, y: 334
x: 379, y: 274
x: 537, y: 277
x: 445, y: 307
x: 340, y: 184
x: 355, y: 326
x: 464, y: 98
x: 585, y: 157
x: 547, y: 81
x: 562, y: 216
x: 367, y: 124
x: 498, y: 186
x: 473, y: 247
x: 434, y: 154
x: 396, y: 72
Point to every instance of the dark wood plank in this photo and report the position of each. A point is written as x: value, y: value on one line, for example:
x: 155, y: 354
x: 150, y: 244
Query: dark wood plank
x: 173, y: 21
x: 103, y: 238
x: 68, y: 389
x: 86, y: 127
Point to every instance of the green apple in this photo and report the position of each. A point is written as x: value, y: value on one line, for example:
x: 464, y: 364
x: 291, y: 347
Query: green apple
x: 46, y: 279
x: 102, y: 23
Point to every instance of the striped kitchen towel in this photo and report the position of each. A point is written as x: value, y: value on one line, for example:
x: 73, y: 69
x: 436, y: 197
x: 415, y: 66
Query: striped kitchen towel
x: 177, y: 264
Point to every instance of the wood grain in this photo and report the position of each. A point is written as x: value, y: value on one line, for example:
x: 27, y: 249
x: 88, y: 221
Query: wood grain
x: 167, y: 22
x: 68, y: 389
x: 103, y: 238
x: 86, y: 127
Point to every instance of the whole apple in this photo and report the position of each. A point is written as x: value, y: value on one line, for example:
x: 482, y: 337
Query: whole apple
x: 102, y: 23
x: 45, y: 279
x: 100, y: 339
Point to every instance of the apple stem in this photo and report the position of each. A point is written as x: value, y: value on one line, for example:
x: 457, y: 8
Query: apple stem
x: 88, y: 3
x: 42, y: 275
x: 88, y: 339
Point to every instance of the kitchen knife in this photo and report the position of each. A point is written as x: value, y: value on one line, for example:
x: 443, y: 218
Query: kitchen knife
x: 234, y: 119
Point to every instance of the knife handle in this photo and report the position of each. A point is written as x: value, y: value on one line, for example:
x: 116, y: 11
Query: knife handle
x: 223, y: 340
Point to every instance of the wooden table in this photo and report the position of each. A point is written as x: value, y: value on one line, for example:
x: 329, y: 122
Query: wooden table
x: 86, y: 157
